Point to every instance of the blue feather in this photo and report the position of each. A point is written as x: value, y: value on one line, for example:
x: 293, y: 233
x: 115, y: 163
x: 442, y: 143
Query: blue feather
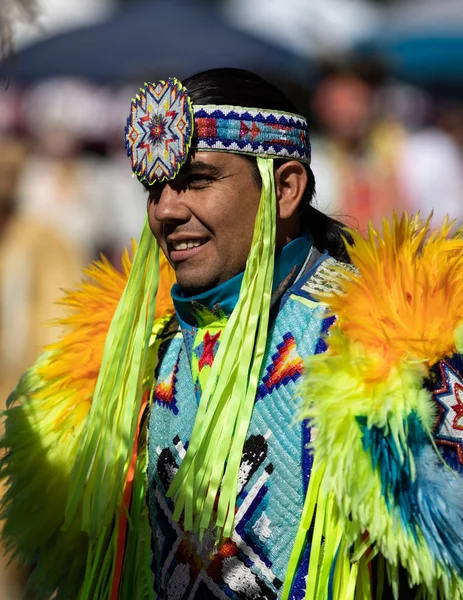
x: 433, y: 502
x: 439, y: 507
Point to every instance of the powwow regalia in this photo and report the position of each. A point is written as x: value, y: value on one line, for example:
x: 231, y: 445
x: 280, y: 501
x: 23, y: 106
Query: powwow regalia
x: 154, y: 452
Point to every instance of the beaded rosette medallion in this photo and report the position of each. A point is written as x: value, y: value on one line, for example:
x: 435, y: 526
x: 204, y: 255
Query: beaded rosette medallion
x: 163, y: 126
x: 159, y: 130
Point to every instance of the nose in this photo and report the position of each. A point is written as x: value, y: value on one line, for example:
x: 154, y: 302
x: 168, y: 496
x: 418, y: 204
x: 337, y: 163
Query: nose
x: 171, y: 206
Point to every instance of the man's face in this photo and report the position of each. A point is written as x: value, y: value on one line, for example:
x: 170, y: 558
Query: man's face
x: 204, y: 219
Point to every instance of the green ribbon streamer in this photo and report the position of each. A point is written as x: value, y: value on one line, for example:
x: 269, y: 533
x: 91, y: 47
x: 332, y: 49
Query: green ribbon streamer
x: 101, y: 465
x: 304, y: 524
x: 351, y: 573
x: 208, y: 474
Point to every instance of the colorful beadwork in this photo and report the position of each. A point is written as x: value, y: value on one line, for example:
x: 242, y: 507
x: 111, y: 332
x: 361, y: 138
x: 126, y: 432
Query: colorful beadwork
x: 286, y: 366
x: 165, y: 392
x: 158, y: 131
x: 251, y: 131
x: 275, y: 466
x: 448, y: 395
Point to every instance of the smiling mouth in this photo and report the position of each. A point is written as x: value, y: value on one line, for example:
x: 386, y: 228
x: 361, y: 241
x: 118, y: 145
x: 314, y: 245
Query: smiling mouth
x: 187, y: 244
x: 184, y: 249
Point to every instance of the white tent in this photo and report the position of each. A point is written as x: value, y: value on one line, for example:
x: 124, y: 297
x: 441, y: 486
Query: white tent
x: 306, y: 27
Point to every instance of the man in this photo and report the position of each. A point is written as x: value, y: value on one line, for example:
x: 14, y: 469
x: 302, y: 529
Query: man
x: 369, y: 164
x: 188, y: 476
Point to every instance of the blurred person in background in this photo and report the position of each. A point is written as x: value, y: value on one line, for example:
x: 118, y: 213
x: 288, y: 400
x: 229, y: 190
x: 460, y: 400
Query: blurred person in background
x: 56, y: 183
x: 39, y: 257
x: 78, y: 171
x: 36, y: 263
x: 112, y: 185
x: 368, y: 163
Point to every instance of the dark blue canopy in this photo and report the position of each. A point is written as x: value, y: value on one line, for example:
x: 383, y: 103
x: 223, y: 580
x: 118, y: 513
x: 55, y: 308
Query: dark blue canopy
x: 147, y: 38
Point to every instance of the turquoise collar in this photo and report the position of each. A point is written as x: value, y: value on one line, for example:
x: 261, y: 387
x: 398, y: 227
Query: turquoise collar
x: 288, y: 262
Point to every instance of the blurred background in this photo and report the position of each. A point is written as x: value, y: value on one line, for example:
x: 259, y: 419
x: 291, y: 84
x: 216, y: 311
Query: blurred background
x: 380, y: 81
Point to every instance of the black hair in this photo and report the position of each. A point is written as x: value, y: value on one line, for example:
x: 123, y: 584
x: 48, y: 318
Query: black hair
x: 238, y: 87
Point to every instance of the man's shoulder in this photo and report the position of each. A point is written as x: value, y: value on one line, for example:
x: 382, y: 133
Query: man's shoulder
x: 321, y: 276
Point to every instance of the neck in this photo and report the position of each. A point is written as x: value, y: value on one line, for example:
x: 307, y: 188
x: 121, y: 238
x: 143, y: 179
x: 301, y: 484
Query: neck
x: 223, y: 298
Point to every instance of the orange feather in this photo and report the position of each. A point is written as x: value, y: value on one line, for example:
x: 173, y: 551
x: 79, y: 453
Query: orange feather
x: 72, y: 368
x: 406, y: 299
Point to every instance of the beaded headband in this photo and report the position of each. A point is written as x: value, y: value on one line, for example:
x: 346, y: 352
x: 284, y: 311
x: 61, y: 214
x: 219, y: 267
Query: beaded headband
x: 163, y: 126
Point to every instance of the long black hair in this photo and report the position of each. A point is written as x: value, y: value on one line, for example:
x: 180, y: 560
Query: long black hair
x: 238, y: 87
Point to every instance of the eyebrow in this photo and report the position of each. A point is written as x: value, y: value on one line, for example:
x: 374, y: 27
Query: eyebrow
x: 201, y: 166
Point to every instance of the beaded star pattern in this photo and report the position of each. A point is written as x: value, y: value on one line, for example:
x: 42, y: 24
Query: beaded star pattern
x: 159, y: 130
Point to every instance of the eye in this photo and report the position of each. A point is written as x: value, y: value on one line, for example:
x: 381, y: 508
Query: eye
x: 199, y: 181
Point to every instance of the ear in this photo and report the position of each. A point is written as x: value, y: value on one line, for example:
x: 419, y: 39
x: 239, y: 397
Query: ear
x: 290, y: 184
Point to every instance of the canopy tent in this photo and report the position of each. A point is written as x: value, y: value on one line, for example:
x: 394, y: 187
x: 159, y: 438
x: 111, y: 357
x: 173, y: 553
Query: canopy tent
x: 421, y: 41
x: 147, y: 38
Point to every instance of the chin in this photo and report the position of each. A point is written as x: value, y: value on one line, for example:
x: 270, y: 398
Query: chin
x: 195, y: 281
x: 194, y: 284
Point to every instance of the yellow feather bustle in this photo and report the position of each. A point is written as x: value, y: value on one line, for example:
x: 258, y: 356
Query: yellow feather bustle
x: 405, y: 299
x: 75, y: 360
x: 46, y: 419
x: 398, y: 313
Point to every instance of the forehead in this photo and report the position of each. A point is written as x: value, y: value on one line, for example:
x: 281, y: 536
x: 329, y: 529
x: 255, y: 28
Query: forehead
x: 223, y: 160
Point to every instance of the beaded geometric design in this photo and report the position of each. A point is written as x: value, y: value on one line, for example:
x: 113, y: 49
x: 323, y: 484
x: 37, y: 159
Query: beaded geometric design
x: 271, y: 484
x: 447, y: 390
x: 158, y: 131
x: 325, y: 280
x: 251, y: 131
x: 201, y: 569
x: 165, y: 392
x: 207, y: 349
x: 286, y: 366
